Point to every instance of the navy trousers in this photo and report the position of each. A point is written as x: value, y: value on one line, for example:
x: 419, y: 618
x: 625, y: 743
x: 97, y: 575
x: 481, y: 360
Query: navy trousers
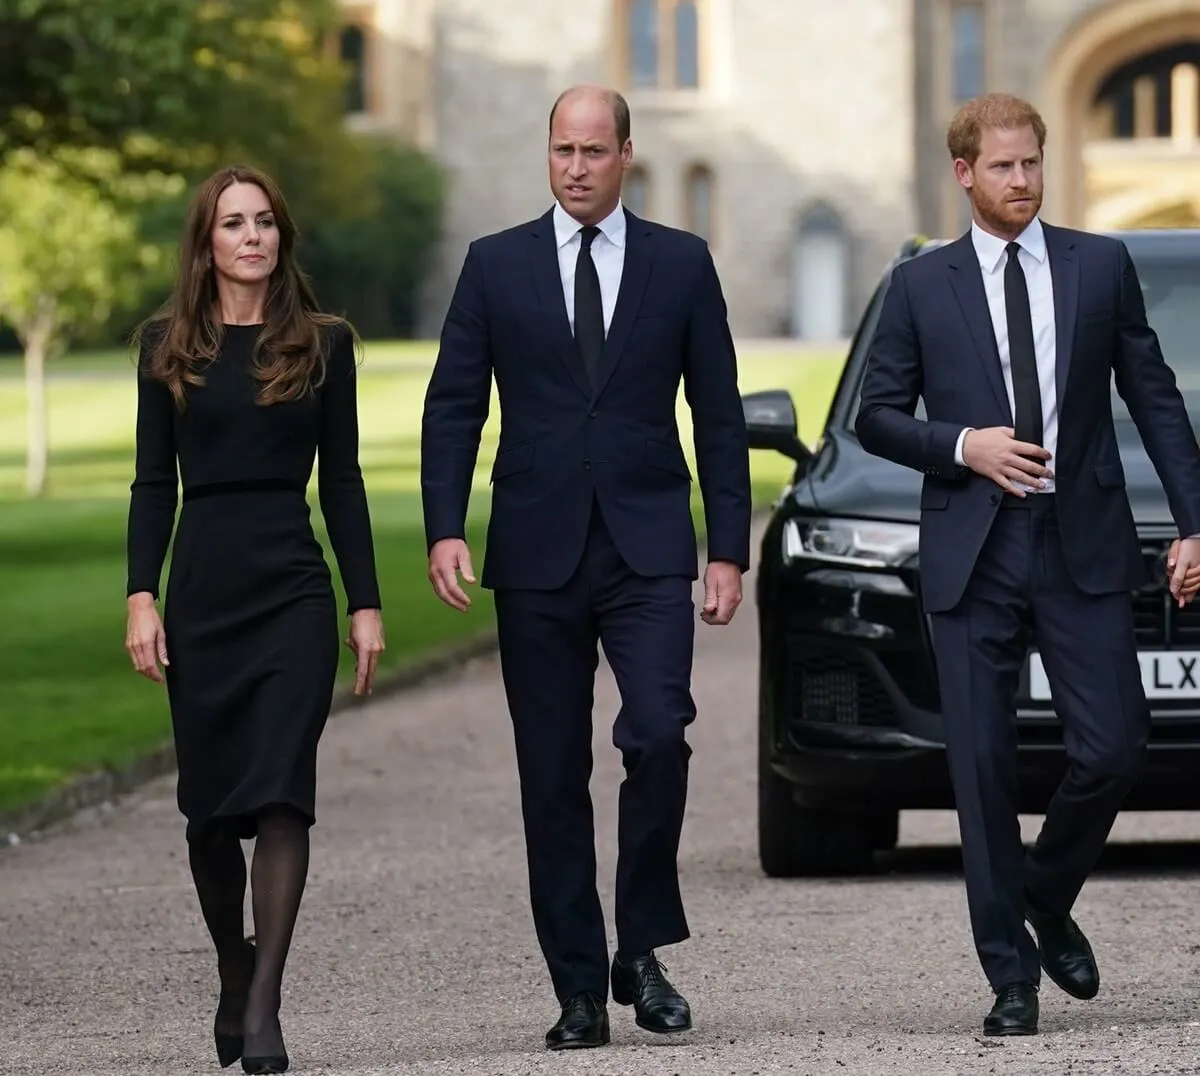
x: 1020, y: 588
x: 549, y: 655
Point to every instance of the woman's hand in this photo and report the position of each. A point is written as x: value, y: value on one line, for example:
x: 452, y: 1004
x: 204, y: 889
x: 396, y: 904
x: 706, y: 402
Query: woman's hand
x: 1184, y: 588
x: 145, y: 638
x: 366, y: 640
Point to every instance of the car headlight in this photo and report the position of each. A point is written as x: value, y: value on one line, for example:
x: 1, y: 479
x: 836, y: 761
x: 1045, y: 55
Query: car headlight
x: 860, y: 543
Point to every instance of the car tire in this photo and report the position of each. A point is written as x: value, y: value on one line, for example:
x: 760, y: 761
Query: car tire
x: 798, y: 842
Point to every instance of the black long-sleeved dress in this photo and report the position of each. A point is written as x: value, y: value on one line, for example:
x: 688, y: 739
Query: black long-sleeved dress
x: 251, y: 620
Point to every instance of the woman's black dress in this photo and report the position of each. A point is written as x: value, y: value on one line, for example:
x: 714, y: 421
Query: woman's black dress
x: 251, y: 621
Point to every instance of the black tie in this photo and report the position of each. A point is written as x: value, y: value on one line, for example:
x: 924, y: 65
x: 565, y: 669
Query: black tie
x: 589, y: 308
x: 1027, y: 395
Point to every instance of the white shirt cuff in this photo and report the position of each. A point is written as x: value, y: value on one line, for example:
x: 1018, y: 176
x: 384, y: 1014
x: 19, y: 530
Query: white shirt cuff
x: 958, y: 446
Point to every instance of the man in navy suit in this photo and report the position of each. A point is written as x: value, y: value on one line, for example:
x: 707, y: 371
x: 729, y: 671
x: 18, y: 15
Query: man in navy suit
x: 1012, y: 336
x: 589, y: 318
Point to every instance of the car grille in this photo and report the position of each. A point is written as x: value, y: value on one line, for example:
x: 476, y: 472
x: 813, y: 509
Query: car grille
x: 1157, y: 620
x: 835, y: 687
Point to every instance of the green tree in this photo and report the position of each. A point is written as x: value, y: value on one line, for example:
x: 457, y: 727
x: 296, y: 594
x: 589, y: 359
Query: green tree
x: 70, y: 255
x: 181, y: 85
x: 368, y: 260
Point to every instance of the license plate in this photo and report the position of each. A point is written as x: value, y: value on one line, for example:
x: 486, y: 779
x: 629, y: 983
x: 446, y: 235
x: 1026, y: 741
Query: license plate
x: 1166, y: 674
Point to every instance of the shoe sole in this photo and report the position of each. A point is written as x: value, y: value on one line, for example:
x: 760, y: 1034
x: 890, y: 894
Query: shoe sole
x: 663, y: 1030
x: 578, y: 1045
x: 1007, y: 1032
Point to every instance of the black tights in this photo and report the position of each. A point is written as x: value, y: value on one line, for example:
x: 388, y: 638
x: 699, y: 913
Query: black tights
x: 277, y: 876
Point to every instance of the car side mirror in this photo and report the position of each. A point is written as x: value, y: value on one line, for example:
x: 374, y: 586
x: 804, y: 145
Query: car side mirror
x: 771, y: 423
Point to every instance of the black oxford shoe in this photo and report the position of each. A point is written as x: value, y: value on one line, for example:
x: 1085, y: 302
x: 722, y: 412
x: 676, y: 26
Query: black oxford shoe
x: 1066, y: 954
x: 584, y: 1023
x: 1015, y: 1011
x: 639, y: 981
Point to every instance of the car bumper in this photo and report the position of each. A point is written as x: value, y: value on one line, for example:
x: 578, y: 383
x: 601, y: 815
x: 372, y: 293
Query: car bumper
x: 892, y: 752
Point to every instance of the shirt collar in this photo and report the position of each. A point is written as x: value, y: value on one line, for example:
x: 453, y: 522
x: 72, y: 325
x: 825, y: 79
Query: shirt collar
x: 567, y: 227
x: 990, y: 249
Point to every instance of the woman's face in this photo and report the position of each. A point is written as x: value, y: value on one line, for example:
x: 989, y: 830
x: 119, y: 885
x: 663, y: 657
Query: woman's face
x: 245, y: 239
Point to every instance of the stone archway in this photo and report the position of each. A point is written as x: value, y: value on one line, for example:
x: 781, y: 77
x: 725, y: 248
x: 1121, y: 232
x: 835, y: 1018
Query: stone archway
x: 1097, y: 44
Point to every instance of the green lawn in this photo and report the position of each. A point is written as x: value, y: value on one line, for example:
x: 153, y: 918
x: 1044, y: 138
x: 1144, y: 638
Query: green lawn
x: 70, y: 701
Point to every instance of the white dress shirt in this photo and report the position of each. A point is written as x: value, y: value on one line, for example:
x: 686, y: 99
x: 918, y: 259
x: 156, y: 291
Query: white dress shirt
x: 1035, y: 262
x: 608, y: 255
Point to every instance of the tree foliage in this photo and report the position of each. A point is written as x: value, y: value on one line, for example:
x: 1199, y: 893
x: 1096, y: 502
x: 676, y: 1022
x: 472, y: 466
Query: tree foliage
x: 178, y: 85
x: 70, y: 256
x: 368, y: 263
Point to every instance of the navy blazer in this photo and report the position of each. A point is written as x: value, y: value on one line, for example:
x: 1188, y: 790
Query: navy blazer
x: 935, y: 341
x: 564, y: 443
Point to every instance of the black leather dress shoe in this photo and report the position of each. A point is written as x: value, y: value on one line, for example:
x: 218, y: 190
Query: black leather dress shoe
x: 1015, y: 1011
x: 584, y: 1022
x: 639, y: 981
x: 1067, y: 956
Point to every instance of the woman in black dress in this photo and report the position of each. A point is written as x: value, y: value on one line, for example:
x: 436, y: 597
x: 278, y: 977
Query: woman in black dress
x: 242, y: 381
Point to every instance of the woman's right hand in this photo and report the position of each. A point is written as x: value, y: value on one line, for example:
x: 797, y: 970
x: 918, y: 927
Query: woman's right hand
x: 145, y: 637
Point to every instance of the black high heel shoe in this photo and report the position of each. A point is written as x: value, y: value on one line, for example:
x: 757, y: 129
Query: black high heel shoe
x: 267, y: 1062
x: 274, y: 1063
x: 229, y: 1047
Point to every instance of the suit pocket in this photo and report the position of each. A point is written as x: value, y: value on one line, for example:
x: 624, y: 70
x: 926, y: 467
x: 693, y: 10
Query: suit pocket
x: 1110, y: 475
x: 934, y: 498
x: 667, y: 457
x: 513, y: 460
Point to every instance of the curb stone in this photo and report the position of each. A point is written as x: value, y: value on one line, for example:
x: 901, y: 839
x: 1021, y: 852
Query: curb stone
x: 98, y: 789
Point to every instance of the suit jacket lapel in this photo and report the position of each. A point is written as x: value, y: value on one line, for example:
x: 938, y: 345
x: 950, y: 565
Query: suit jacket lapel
x: 1064, y: 273
x: 547, y: 285
x: 966, y: 279
x: 639, y: 256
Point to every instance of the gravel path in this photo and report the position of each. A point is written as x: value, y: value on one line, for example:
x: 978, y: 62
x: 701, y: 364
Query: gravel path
x: 415, y: 952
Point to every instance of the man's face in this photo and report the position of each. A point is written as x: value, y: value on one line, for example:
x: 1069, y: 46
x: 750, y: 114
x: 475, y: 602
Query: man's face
x: 1005, y: 182
x: 586, y: 163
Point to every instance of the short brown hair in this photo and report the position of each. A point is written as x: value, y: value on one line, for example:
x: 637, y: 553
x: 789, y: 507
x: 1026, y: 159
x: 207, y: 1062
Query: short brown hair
x: 995, y: 111
x: 620, y: 108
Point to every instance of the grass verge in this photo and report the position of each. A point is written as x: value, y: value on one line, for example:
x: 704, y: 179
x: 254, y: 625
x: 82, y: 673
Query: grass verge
x: 71, y: 703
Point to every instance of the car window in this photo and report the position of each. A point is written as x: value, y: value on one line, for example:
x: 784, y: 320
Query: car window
x: 856, y: 366
x: 1171, y: 290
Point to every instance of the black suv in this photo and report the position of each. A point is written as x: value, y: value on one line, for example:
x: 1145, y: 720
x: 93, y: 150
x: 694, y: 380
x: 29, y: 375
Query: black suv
x: 850, y: 731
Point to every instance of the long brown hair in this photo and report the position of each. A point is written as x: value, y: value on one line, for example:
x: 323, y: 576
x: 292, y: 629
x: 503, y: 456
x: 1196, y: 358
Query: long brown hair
x: 290, y: 352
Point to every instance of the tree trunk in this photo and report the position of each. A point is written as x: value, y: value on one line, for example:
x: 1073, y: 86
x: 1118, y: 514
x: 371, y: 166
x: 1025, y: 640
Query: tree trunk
x: 37, y: 448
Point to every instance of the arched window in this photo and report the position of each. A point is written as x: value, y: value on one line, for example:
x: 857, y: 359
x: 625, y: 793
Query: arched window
x: 967, y: 50
x: 635, y: 191
x: 642, y: 43
x: 820, y: 275
x: 686, y: 40
x: 698, y: 201
x: 352, y: 50
x: 660, y: 43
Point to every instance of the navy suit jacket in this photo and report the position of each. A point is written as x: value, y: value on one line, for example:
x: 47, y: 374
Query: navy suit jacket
x: 564, y: 443
x: 935, y: 341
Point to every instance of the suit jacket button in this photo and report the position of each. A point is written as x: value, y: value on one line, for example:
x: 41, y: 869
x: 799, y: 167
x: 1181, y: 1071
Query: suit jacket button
x: 591, y: 414
x: 587, y: 465
x: 994, y: 498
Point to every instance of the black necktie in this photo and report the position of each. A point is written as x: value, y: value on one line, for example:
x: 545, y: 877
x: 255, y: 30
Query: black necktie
x: 1027, y: 394
x: 589, y: 308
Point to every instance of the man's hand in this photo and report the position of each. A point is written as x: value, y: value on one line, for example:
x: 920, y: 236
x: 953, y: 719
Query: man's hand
x: 365, y: 639
x: 1183, y: 569
x: 722, y: 592
x: 994, y: 454
x: 447, y: 558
